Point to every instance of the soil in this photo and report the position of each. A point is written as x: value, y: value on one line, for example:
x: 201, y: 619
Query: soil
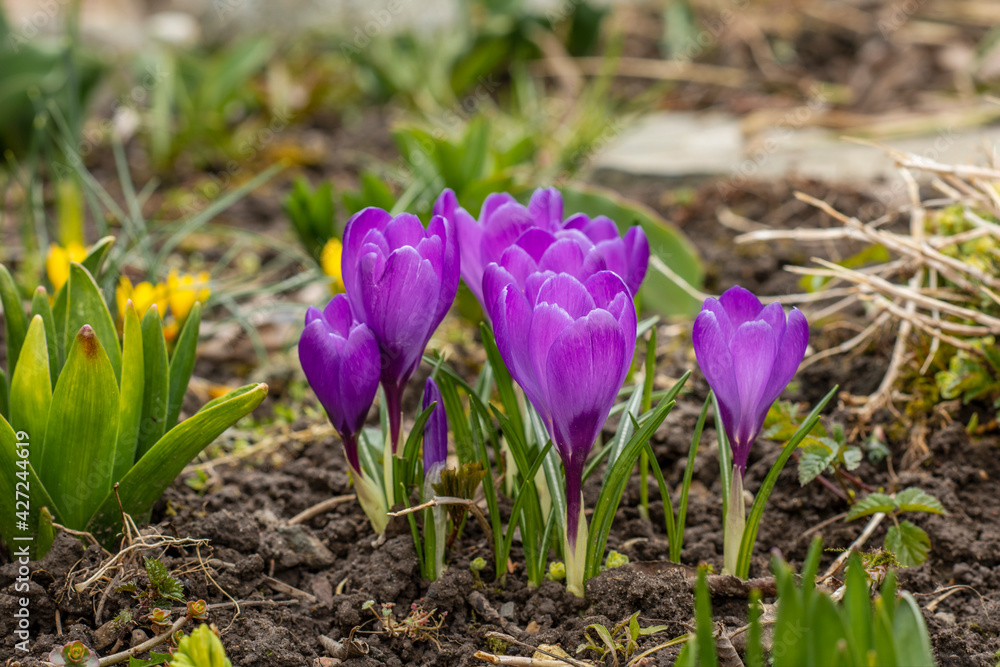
x: 300, y: 586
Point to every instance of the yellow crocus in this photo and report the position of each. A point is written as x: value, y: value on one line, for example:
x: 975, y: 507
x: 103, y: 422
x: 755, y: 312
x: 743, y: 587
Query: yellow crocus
x: 330, y: 262
x: 143, y: 295
x: 58, y: 259
x: 184, y: 289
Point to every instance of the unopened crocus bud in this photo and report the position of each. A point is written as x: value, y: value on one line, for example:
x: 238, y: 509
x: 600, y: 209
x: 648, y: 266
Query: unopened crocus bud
x: 435, y: 432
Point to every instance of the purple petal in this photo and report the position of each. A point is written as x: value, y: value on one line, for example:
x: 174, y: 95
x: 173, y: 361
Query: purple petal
x: 492, y: 203
x: 535, y: 242
x: 791, y: 349
x: 470, y: 239
x: 512, y: 320
x: 741, y: 305
x: 399, y: 299
x: 446, y: 204
x: 355, y: 232
x: 519, y: 264
x: 359, y: 375
x: 547, y: 323
x: 713, y: 306
x: 441, y: 230
x: 754, y: 349
x: 563, y: 256
x: 567, y: 292
x: 637, y: 253
x: 338, y: 315
x: 405, y: 229
x: 546, y: 208
x: 601, y: 228
x: 711, y: 349
x: 576, y: 221
x: 506, y: 224
x: 584, y: 371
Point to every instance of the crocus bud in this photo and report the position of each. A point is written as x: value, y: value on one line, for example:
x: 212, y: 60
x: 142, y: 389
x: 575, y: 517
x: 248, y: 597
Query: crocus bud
x: 400, y: 280
x: 340, y: 358
x: 435, y: 432
x: 748, y: 353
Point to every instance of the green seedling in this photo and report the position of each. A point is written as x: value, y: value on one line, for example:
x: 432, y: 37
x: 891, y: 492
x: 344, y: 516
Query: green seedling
x: 622, y: 640
x: 201, y: 648
x: 909, y: 543
x: 74, y: 654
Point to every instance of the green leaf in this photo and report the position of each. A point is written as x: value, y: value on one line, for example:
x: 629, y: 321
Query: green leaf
x: 788, y: 624
x: 131, y: 395
x: 857, y: 609
x: 46, y: 533
x: 154, y: 660
x: 666, y: 243
x: 852, y: 458
x: 78, y: 456
x: 873, y: 503
x: 909, y: 543
x: 704, y: 628
x: 4, y: 396
x: 825, y: 631
x: 754, y: 652
x: 85, y: 305
x: 813, y: 461
x: 31, y: 389
x: 182, y: 365
x: 633, y: 409
x: 913, y: 644
x: 13, y: 315
x: 10, y: 484
x: 501, y: 376
x: 40, y: 306
x: 94, y: 261
x: 165, y: 583
x: 917, y: 500
x: 156, y: 378
x: 159, y: 466
x: 605, y: 636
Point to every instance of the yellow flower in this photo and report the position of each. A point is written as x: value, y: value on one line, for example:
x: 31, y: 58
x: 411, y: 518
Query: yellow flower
x: 184, y: 289
x: 58, y: 259
x: 143, y: 296
x: 330, y: 261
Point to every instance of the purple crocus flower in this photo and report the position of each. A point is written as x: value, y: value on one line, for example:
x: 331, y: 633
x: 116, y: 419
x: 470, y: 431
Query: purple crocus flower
x: 568, y: 342
x: 502, y: 220
x: 748, y: 353
x: 340, y: 358
x: 435, y: 431
x: 400, y: 279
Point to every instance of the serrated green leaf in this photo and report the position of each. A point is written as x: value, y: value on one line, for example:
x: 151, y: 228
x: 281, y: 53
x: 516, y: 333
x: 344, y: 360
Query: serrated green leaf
x: 813, y: 461
x: 852, y: 458
x: 31, y: 389
x: 909, y: 543
x: 85, y: 305
x: 873, y: 503
x: 165, y: 583
x: 159, y: 466
x: 78, y: 455
x: 156, y: 376
x: 918, y: 500
x: 131, y: 395
x: 182, y: 365
x: 14, y: 319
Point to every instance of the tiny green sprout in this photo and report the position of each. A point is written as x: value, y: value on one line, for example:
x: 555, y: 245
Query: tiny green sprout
x: 201, y: 648
x: 477, y: 565
x: 123, y: 618
x: 197, y: 610
x: 74, y: 654
x: 159, y: 619
x: 557, y: 571
x: 497, y: 646
x: 615, y: 559
x: 368, y: 605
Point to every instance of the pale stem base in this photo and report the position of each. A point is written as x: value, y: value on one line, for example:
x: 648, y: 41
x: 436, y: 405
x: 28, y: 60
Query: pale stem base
x: 576, y: 557
x: 372, y: 501
x: 735, y: 523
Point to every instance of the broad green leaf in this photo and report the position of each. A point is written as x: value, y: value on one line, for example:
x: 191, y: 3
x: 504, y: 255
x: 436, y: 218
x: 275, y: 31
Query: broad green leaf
x: 79, y: 451
x: 873, y: 503
x: 813, y: 461
x: 46, y: 533
x: 605, y: 636
x: 918, y: 500
x: 788, y: 625
x: 94, y: 261
x: 31, y: 388
x: 852, y: 458
x: 13, y: 315
x: 11, y: 482
x: 59, y: 317
x: 156, y: 470
x: 909, y: 543
x: 666, y: 243
x: 182, y: 365
x: 913, y: 644
x: 754, y: 652
x: 40, y: 306
x: 131, y: 394
x: 857, y: 609
x: 4, y: 396
x: 156, y: 376
x: 154, y: 660
x: 882, y: 629
x: 85, y: 305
